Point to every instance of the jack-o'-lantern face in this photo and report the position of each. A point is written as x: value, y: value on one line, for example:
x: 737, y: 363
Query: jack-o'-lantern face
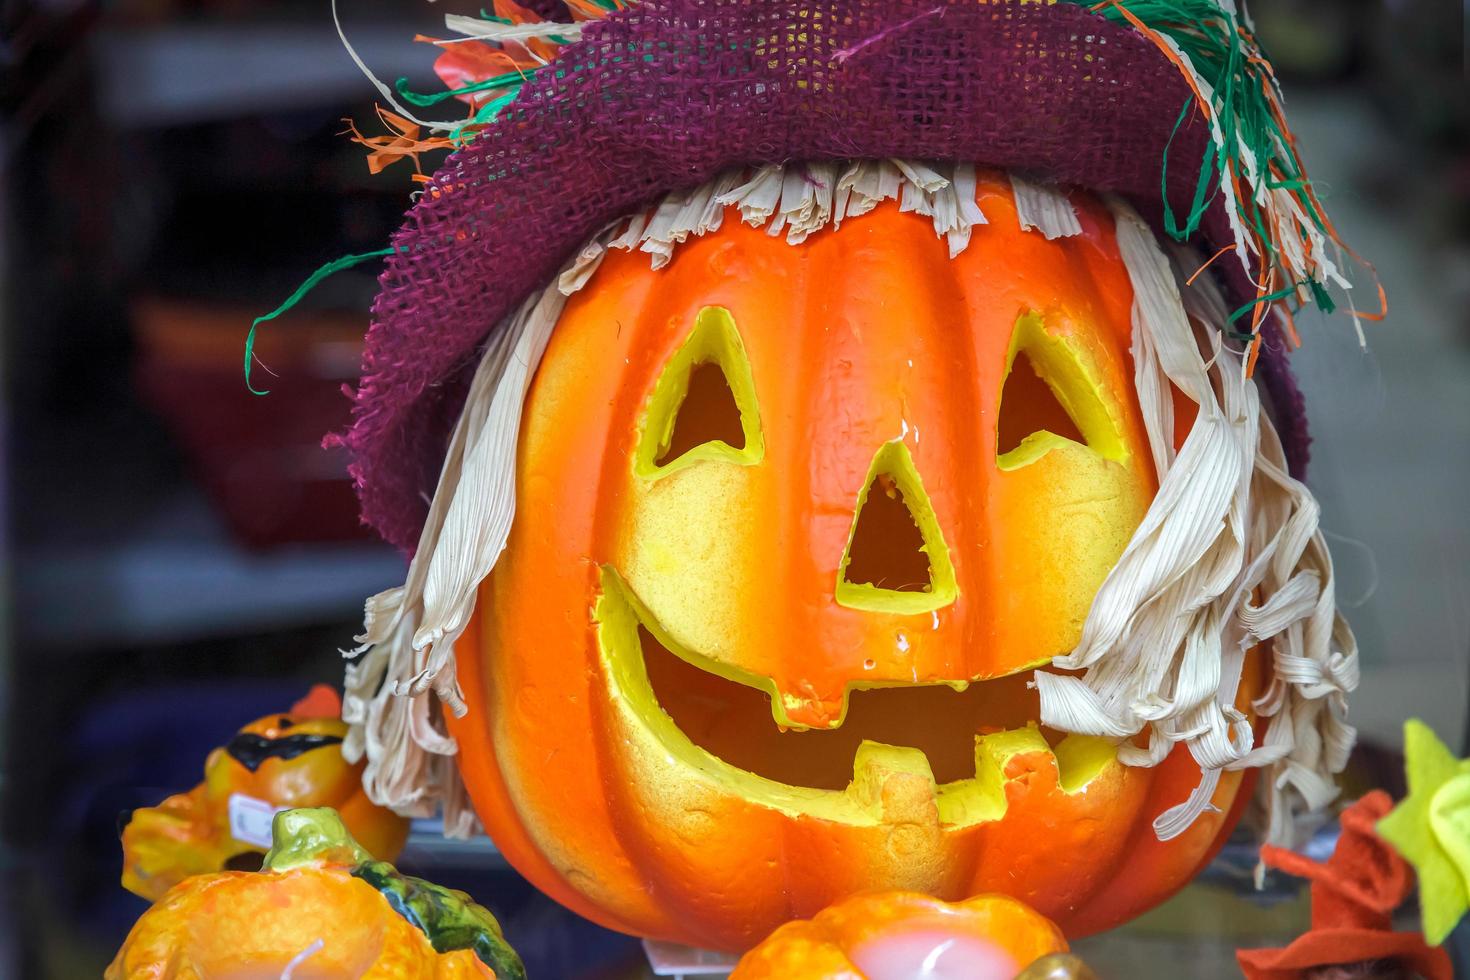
x: 795, y: 523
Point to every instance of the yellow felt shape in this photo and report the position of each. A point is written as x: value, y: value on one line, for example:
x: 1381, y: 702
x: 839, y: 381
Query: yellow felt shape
x: 1431, y: 828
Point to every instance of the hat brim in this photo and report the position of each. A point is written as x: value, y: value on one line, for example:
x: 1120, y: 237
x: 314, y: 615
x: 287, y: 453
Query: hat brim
x: 665, y: 95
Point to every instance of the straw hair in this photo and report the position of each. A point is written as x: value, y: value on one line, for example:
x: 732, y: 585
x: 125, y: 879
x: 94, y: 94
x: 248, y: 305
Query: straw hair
x: 1228, y: 555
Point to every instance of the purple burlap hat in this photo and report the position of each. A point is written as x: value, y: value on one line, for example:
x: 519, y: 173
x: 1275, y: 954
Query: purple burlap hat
x: 663, y: 95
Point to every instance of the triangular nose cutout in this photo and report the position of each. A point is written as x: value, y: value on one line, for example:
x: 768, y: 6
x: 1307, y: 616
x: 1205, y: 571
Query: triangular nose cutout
x: 887, y: 550
x: 896, y: 558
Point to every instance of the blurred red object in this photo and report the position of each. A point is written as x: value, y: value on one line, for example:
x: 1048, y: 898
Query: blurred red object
x: 258, y: 457
x: 1354, y: 895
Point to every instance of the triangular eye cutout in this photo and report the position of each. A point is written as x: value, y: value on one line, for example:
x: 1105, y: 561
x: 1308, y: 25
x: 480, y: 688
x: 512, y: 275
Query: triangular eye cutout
x: 707, y: 414
x: 703, y: 406
x: 896, y: 558
x: 1050, y: 400
x: 1027, y: 405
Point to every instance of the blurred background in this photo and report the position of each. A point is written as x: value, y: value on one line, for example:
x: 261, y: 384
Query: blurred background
x: 181, y: 556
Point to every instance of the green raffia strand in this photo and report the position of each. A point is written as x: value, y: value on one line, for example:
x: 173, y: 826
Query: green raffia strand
x: 1260, y: 300
x: 512, y: 79
x: 465, y: 132
x: 1207, y: 36
x: 312, y: 281
x: 1320, y: 295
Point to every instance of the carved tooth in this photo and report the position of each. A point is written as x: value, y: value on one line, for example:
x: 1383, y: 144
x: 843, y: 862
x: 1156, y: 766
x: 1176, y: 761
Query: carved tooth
x: 793, y: 711
x: 1082, y: 758
x: 993, y: 751
x: 894, y: 783
x: 994, y: 754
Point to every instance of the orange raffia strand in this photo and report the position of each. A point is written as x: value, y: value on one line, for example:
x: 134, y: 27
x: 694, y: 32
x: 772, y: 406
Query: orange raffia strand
x: 586, y: 10
x: 1279, y: 116
x: 542, y: 49
x: 1255, y: 355
x: 538, y: 48
x: 1273, y: 102
x: 465, y: 62
x: 1234, y: 177
x: 530, y: 52
x: 1240, y: 195
x: 477, y: 60
x: 1263, y: 288
x: 1166, y: 50
x: 1327, y: 225
x: 1208, y: 262
x: 515, y: 13
x: 401, y: 142
x: 1257, y: 317
x: 1288, y: 320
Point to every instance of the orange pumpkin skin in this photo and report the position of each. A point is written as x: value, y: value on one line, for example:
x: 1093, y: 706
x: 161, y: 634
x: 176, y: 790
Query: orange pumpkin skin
x: 251, y: 924
x: 859, y: 338
x: 189, y: 833
x: 823, y: 947
x: 315, y: 914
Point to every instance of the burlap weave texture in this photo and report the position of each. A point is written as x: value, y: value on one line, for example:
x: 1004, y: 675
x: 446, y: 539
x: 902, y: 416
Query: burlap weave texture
x: 668, y: 93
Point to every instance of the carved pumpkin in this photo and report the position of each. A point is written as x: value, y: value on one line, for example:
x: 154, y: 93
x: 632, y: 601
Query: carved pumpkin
x: 320, y: 907
x: 795, y: 523
x: 901, y: 935
x: 282, y: 760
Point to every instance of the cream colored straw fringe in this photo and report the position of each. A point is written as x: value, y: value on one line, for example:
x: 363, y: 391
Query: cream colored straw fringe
x: 1228, y: 555
x: 1045, y: 209
x: 407, y: 643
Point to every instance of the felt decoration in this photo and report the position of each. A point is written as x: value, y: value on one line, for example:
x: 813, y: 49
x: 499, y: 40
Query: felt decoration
x: 902, y: 935
x: 1354, y: 895
x: 282, y: 760
x: 1431, y: 828
x: 320, y: 906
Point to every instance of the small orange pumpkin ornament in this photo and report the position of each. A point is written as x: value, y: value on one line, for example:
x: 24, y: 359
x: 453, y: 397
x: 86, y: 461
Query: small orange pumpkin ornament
x: 320, y: 907
x: 888, y: 935
x: 282, y: 760
x: 796, y: 522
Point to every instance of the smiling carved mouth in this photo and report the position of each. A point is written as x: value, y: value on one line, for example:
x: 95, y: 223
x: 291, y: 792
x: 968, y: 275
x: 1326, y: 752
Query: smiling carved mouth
x: 957, y: 737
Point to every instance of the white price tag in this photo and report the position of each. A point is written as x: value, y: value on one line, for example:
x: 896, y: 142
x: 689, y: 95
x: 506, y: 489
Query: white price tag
x: 250, y: 819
